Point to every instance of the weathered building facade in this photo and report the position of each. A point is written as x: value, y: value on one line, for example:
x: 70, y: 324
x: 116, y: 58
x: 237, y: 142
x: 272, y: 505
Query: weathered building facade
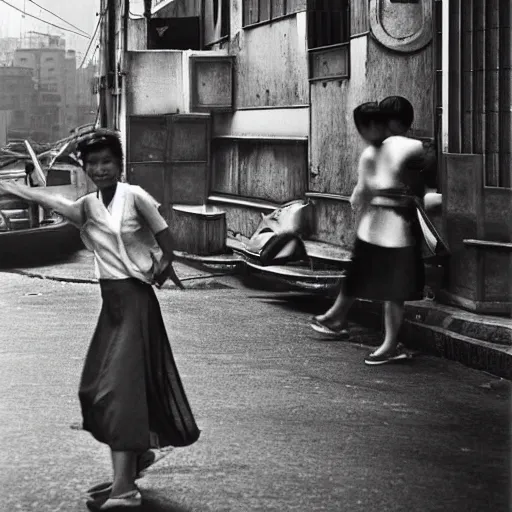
x: 259, y: 110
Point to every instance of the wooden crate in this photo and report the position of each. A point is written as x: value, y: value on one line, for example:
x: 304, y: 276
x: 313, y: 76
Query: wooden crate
x: 198, y: 230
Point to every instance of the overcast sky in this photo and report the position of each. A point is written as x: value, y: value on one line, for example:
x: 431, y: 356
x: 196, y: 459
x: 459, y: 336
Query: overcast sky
x: 81, y: 13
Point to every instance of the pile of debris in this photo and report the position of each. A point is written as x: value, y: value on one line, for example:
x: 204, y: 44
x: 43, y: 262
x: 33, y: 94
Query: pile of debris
x: 16, y: 153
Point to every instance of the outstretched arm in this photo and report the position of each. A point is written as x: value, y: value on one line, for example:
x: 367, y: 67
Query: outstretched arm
x: 71, y: 210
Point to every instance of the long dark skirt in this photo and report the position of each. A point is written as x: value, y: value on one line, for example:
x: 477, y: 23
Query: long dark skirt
x: 131, y: 394
x: 385, y: 273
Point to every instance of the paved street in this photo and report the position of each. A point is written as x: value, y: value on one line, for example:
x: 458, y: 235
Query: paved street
x: 290, y: 421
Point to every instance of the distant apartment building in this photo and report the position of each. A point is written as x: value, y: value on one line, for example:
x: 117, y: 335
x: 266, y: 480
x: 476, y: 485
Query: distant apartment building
x: 17, y: 97
x: 41, y: 87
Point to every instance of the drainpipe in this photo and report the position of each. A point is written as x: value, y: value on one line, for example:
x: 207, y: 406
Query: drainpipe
x: 147, y: 9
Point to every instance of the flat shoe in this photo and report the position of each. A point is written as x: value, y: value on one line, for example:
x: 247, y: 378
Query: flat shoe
x: 323, y: 329
x: 374, y: 360
x: 130, y: 499
x: 100, y: 490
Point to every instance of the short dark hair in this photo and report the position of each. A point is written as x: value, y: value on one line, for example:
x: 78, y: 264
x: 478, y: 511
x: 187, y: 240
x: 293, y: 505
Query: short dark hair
x: 29, y: 166
x: 98, y: 140
x: 367, y: 113
x: 398, y: 108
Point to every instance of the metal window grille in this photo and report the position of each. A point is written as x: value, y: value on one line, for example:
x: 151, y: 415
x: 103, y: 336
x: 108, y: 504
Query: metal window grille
x: 479, y: 97
x: 328, y: 22
x: 261, y: 11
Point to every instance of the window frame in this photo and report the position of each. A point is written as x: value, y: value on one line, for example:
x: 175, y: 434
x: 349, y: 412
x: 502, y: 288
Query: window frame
x: 272, y: 18
x: 222, y: 39
x: 343, y: 46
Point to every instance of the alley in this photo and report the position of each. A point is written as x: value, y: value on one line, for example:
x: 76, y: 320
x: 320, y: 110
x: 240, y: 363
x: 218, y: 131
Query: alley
x: 289, y: 421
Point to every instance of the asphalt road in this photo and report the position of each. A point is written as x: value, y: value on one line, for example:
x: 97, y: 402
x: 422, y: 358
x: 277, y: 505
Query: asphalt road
x: 290, y: 421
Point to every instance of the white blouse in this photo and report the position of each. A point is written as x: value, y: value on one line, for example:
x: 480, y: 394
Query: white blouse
x: 122, y: 234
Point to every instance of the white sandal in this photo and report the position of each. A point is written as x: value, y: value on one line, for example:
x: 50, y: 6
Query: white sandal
x: 130, y: 499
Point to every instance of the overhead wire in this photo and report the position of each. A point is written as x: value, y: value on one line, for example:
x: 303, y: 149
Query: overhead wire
x: 93, y: 37
x: 57, y: 16
x: 43, y: 21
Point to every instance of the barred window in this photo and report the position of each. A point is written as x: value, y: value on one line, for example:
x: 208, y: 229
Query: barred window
x: 328, y: 22
x: 261, y: 11
x: 328, y: 39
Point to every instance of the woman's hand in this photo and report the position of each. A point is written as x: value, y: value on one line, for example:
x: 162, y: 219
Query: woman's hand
x: 168, y: 273
x: 358, y: 199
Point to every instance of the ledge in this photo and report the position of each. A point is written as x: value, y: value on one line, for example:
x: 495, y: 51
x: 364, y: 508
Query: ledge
x: 202, y: 210
x: 329, y: 78
x: 258, y: 204
x: 487, y: 244
x: 273, y: 107
x: 261, y: 138
x: 332, y: 197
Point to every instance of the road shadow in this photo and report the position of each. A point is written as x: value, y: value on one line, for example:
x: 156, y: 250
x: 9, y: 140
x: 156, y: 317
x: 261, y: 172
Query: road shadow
x: 303, y: 302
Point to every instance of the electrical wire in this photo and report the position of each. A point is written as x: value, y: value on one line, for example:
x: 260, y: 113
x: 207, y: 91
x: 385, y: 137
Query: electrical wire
x: 93, y: 37
x: 43, y: 21
x: 57, y: 16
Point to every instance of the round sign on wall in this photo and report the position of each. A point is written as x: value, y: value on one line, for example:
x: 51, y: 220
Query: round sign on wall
x: 401, y: 25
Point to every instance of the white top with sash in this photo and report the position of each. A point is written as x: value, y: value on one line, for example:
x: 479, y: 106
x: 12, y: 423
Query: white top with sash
x: 122, y: 235
x: 382, y: 170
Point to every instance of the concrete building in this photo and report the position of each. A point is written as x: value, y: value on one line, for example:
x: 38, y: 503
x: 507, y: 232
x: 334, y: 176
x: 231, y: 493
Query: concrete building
x: 54, y: 69
x: 261, y: 113
x: 17, y: 96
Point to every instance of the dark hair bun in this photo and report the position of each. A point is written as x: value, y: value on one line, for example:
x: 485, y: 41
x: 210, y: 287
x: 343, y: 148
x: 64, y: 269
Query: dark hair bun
x: 367, y: 113
x: 398, y: 108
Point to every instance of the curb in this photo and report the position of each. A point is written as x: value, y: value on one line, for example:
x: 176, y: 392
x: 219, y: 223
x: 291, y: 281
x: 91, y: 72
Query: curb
x: 204, y: 282
x: 442, y: 332
x: 36, y: 275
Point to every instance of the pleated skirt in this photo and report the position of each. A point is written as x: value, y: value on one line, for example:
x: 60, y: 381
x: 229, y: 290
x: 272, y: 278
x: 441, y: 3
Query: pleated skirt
x: 131, y: 394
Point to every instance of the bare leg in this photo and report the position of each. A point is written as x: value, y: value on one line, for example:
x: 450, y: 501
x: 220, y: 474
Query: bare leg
x: 124, y: 464
x: 393, y: 316
x: 336, y: 316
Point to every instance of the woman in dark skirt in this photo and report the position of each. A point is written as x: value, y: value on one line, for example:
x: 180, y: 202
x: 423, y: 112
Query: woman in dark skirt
x: 386, y: 263
x: 130, y: 392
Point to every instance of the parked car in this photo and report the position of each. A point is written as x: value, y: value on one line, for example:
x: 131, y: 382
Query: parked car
x: 28, y: 231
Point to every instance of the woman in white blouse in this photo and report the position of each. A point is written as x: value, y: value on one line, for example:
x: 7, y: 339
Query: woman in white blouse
x: 130, y: 392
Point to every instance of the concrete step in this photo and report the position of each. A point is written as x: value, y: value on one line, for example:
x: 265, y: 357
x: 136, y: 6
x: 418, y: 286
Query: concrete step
x: 482, y: 342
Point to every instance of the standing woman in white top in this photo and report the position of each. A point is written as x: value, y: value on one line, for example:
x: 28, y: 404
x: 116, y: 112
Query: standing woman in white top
x: 386, y: 263
x: 130, y: 392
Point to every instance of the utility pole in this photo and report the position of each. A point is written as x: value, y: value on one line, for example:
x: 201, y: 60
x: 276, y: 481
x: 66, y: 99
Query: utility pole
x: 108, y: 72
x: 103, y: 66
